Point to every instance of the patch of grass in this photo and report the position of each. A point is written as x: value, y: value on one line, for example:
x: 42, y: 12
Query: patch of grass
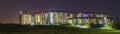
x: 62, y: 29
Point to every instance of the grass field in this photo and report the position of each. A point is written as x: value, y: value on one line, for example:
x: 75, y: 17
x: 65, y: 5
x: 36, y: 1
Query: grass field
x: 53, y: 29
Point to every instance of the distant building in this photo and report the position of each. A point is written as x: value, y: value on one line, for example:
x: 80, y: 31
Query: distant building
x: 40, y: 18
x: 25, y: 19
x: 20, y: 17
x: 89, y: 20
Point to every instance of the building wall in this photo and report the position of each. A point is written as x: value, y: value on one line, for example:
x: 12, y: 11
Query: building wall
x: 26, y: 19
x: 93, y: 20
x: 58, y: 18
x: 40, y: 18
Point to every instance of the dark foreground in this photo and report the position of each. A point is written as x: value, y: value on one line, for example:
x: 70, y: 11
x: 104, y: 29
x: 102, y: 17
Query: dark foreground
x: 51, y: 29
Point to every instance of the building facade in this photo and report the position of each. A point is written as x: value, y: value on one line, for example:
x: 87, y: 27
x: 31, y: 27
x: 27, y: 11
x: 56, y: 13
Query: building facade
x: 63, y: 17
x: 26, y: 19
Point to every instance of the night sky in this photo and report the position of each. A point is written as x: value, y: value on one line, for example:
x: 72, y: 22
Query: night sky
x: 9, y: 9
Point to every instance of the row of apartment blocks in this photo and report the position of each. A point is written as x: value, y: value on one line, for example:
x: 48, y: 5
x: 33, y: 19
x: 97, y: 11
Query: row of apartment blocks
x: 53, y: 17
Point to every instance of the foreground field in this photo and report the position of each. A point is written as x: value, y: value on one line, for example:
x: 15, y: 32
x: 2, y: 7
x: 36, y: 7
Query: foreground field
x: 54, y: 30
x: 63, y: 31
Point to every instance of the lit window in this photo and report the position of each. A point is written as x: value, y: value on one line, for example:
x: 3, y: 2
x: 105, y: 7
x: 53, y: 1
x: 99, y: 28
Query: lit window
x: 85, y: 15
x: 70, y: 21
x: 93, y: 21
x: 71, y: 15
x: 79, y: 15
x: 91, y: 15
x: 97, y: 15
x: 100, y: 21
x: 88, y: 21
x: 101, y: 15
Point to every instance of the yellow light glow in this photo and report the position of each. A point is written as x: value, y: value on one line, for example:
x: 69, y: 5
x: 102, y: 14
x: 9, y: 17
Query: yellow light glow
x: 71, y: 15
x: 26, y: 19
x: 101, y: 15
x: 93, y: 21
x: 40, y: 18
x: 79, y: 15
x: 100, y: 21
x: 82, y: 21
x: 88, y: 21
x: 70, y: 21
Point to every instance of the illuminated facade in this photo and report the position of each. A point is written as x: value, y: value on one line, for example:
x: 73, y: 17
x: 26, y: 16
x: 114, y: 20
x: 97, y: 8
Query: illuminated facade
x: 56, y: 18
x: 89, y: 20
x: 26, y: 19
x: 40, y: 18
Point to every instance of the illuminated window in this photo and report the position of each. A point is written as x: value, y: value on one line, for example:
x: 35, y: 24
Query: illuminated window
x: 100, y: 21
x: 109, y: 21
x: 57, y: 19
x: 51, y: 17
x: 101, y: 15
x: 88, y: 21
x: 70, y: 21
x: 79, y: 21
x: 82, y: 21
x: 91, y: 15
x: 93, y: 21
x: 79, y: 15
x: 85, y: 15
x: 97, y: 15
x: 74, y: 21
x: 71, y: 15
x: 105, y: 20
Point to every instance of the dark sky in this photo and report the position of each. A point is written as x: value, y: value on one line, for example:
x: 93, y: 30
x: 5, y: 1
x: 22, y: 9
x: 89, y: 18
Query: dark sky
x: 9, y: 9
